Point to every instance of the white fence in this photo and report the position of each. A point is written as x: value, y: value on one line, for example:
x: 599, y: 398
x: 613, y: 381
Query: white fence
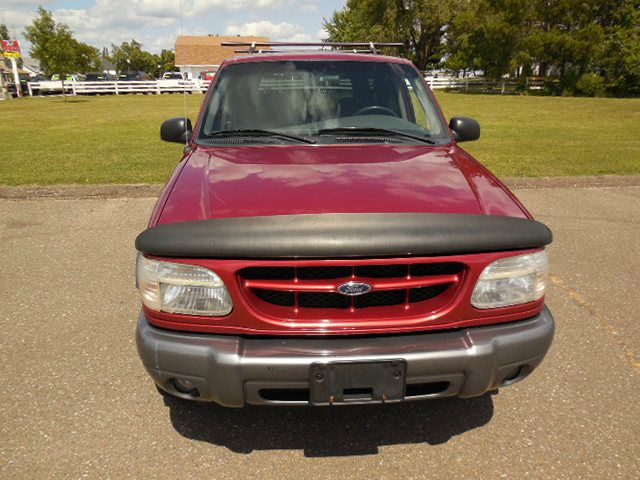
x: 442, y: 82
x: 474, y: 84
x: 118, y: 87
x: 480, y: 84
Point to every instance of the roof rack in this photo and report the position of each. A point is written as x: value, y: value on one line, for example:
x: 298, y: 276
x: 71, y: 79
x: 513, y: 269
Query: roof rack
x: 257, y: 50
x: 357, y: 47
x: 271, y: 50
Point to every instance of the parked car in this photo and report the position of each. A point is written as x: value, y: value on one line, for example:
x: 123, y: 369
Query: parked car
x: 132, y: 76
x: 42, y: 85
x: 207, y: 75
x: 10, y: 84
x: 173, y: 76
x: 173, y: 82
x: 98, y: 77
x: 325, y: 241
x: 69, y: 78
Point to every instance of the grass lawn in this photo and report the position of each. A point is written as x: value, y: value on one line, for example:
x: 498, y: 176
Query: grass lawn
x: 114, y: 139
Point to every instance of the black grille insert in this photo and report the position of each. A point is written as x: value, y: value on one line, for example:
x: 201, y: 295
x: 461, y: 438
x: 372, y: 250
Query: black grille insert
x: 323, y: 300
x: 425, y: 293
x: 428, y: 269
x: 268, y: 273
x: 320, y: 273
x: 276, y: 297
x: 382, y: 271
x: 382, y: 298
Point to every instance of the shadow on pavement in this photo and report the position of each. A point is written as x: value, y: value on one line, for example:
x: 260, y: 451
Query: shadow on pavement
x: 324, y: 432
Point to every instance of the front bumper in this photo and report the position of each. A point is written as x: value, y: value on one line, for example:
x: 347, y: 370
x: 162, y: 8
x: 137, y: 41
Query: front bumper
x: 233, y: 370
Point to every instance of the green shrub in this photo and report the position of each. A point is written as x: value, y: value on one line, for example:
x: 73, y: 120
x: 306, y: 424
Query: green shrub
x: 553, y: 86
x: 591, y: 85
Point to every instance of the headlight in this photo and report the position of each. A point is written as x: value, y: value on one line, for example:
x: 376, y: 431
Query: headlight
x: 512, y: 281
x: 181, y: 288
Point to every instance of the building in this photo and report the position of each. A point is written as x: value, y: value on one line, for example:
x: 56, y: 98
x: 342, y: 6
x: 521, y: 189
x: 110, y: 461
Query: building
x: 31, y: 67
x: 198, y: 54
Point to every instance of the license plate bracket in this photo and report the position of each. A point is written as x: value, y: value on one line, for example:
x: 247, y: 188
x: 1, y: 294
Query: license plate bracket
x: 345, y: 382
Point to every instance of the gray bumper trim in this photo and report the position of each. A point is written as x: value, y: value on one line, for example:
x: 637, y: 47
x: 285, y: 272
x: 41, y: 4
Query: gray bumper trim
x: 232, y: 370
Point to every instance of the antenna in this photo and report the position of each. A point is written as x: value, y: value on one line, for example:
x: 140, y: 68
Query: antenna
x: 184, y: 91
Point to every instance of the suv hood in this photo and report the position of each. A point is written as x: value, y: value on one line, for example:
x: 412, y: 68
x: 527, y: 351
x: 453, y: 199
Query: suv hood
x: 307, y: 179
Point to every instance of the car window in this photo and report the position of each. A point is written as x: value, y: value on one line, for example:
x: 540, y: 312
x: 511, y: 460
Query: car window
x: 306, y: 97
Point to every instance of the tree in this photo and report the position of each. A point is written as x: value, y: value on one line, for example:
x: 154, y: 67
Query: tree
x: 87, y: 57
x: 567, y: 40
x: 419, y: 24
x: 129, y: 56
x: 620, y: 54
x: 490, y: 35
x: 359, y: 20
x: 461, y: 48
x: 4, y: 35
x: 52, y: 44
x: 591, y: 46
x: 165, y: 62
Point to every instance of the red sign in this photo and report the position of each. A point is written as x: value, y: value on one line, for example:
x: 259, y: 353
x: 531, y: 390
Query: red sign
x: 11, y: 48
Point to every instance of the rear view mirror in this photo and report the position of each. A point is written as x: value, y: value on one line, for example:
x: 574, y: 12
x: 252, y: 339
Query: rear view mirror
x: 464, y: 129
x: 176, y: 130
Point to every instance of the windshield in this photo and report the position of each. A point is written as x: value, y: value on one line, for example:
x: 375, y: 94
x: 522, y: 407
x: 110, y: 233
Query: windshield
x: 323, y: 99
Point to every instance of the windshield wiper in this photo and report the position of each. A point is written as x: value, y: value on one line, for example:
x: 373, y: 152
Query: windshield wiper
x: 247, y: 132
x: 372, y: 130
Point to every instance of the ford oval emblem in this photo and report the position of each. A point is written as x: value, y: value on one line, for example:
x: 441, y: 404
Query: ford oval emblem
x: 354, y: 288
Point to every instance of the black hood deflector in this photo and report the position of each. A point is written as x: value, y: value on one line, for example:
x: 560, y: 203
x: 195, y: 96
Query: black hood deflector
x: 342, y: 235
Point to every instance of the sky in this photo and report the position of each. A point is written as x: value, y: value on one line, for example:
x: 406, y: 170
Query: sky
x: 157, y: 23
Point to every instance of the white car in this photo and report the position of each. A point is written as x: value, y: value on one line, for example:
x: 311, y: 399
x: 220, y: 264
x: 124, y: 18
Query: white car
x: 173, y: 76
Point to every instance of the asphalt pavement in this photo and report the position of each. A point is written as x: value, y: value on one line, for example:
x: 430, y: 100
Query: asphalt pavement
x: 76, y: 402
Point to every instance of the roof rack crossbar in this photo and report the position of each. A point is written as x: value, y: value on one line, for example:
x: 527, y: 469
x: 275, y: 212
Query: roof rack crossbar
x: 358, y: 47
x: 271, y: 50
x: 257, y: 50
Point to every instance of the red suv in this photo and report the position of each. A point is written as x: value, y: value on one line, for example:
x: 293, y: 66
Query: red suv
x: 324, y: 240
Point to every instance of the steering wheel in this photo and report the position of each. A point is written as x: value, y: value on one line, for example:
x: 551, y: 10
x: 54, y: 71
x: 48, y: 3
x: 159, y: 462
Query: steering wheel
x: 376, y: 110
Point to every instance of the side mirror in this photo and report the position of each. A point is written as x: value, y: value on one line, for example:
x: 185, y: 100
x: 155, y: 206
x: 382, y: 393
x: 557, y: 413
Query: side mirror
x: 176, y: 130
x: 464, y: 129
